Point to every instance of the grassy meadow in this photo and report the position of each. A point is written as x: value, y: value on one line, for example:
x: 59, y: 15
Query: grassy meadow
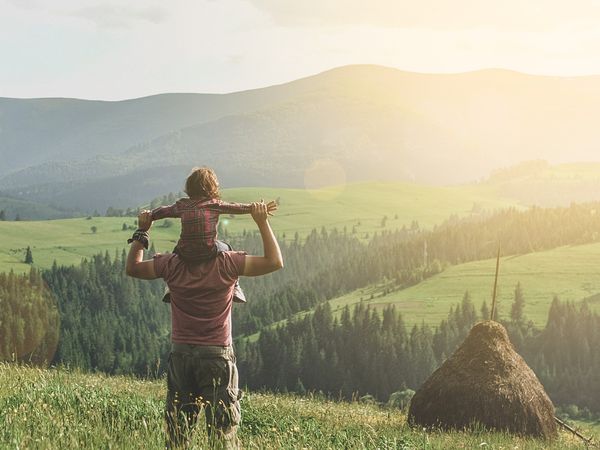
x: 572, y: 273
x: 361, y: 206
x: 58, y: 408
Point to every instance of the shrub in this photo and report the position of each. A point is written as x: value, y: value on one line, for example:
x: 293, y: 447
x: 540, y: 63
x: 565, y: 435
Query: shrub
x: 400, y: 399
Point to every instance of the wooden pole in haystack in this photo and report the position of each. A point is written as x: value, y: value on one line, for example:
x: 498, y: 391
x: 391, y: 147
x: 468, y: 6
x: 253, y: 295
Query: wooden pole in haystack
x: 493, y: 312
x: 588, y: 441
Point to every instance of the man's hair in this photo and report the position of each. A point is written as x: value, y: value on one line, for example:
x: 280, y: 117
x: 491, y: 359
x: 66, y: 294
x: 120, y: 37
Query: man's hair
x: 202, y: 183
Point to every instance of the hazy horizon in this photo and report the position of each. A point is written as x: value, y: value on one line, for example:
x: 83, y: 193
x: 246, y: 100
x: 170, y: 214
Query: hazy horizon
x: 309, y: 75
x: 100, y: 49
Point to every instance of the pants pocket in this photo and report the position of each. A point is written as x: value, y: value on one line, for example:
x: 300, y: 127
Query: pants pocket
x: 234, y: 394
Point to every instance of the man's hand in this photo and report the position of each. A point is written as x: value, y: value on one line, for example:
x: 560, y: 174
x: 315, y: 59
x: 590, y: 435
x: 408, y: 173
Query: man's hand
x: 272, y: 259
x: 144, y: 220
x: 259, y: 212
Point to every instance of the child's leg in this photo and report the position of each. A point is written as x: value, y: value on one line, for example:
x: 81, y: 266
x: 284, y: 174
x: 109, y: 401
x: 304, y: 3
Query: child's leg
x: 222, y: 246
x: 238, y: 294
x: 166, y: 295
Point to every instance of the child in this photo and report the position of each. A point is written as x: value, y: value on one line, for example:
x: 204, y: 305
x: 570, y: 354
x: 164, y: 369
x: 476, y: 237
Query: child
x: 199, y: 216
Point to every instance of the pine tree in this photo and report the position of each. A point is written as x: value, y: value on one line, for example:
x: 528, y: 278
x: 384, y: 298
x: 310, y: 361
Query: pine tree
x: 28, y: 256
x: 516, y: 311
x: 485, y: 311
x: 384, y: 221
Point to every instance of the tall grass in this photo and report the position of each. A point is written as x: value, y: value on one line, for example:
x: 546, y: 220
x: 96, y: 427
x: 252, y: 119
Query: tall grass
x: 61, y: 409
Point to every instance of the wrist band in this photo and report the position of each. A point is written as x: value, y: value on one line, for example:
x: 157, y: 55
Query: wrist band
x: 140, y: 236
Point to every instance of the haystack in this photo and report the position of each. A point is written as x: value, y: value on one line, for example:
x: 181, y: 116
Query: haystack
x: 485, y: 382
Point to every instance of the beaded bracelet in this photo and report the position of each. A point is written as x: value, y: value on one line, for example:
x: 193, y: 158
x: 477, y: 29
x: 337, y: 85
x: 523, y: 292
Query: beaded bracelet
x: 140, y: 236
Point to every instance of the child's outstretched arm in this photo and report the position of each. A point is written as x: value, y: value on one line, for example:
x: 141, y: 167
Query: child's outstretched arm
x: 241, y: 208
x: 223, y: 207
x: 162, y: 212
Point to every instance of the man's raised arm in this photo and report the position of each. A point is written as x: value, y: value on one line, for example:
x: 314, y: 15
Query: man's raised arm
x: 272, y: 259
x: 136, y: 266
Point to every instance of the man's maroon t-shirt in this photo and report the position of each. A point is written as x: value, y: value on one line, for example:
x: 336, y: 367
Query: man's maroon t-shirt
x: 201, y: 296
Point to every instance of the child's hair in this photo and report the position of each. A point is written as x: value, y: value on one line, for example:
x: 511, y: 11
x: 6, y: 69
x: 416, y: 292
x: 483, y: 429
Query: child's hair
x: 201, y: 183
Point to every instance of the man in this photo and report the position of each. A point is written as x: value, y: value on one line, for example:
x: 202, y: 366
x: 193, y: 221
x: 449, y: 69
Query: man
x: 201, y: 369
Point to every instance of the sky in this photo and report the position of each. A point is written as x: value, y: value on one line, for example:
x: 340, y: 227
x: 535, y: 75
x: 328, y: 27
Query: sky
x: 110, y: 50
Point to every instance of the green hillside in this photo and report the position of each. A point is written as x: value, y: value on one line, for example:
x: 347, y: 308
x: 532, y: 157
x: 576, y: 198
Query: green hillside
x: 48, y: 409
x: 571, y: 273
x: 28, y: 210
x: 361, y: 207
x: 542, y: 184
x: 374, y: 123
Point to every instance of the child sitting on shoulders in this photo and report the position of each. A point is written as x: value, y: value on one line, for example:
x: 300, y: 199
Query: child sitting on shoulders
x: 199, y: 214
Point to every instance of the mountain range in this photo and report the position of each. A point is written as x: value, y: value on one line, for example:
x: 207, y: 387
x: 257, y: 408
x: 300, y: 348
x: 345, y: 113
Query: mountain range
x: 358, y: 122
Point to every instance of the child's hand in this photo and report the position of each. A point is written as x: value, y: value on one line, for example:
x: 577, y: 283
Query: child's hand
x: 144, y: 220
x: 271, y: 206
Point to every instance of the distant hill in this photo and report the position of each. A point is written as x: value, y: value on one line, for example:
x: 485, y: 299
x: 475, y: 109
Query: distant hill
x: 27, y: 210
x: 542, y: 276
x: 61, y: 130
x: 368, y: 122
x: 539, y: 183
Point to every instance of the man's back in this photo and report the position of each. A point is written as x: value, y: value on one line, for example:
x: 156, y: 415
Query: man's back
x: 201, y: 296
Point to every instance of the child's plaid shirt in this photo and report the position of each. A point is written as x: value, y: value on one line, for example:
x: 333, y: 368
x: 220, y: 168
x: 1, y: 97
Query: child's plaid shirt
x: 199, y: 219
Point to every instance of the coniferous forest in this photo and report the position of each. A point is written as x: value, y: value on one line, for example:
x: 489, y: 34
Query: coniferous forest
x: 96, y: 318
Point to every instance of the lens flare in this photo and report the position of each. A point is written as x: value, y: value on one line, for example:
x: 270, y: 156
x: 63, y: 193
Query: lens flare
x: 29, y: 319
x: 325, y: 179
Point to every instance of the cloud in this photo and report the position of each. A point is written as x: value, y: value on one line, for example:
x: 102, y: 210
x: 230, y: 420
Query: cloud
x: 507, y: 15
x: 24, y: 4
x: 104, y: 14
x: 235, y: 59
x: 120, y: 16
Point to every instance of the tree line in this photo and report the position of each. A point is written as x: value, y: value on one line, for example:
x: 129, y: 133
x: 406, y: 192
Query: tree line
x: 331, y: 263
x: 95, y: 318
x: 366, y: 351
x: 110, y: 322
x: 92, y: 316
